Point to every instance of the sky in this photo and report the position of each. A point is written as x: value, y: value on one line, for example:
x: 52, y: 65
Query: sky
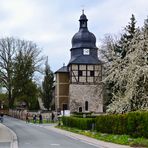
x: 51, y: 24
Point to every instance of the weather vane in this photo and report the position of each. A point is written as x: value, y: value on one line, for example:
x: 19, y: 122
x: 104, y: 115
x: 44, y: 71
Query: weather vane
x: 82, y: 6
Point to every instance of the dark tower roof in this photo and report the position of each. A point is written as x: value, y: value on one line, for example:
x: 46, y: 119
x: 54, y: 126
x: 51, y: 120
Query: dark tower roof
x: 83, y: 38
x: 63, y: 69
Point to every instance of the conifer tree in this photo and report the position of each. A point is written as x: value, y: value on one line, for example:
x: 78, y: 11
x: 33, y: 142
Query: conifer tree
x: 47, y: 86
x: 126, y: 37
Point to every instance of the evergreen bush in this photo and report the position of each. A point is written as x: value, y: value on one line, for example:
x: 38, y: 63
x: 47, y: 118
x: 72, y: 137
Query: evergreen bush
x: 133, y: 123
x: 80, y: 123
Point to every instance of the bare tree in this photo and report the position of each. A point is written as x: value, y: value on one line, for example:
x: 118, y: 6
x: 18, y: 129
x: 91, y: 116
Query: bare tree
x: 10, y: 48
x: 7, y: 52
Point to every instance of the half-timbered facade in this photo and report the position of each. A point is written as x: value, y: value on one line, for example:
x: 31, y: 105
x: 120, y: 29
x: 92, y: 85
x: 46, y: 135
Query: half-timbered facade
x: 82, y: 73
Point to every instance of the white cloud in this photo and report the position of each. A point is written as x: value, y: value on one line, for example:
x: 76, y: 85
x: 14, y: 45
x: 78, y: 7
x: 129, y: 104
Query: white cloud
x: 53, y: 23
x: 112, y: 15
x: 18, y: 13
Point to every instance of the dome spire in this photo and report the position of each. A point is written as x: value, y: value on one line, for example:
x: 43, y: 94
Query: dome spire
x: 82, y: 11
x: 83, y: 38
x: 83, y: 20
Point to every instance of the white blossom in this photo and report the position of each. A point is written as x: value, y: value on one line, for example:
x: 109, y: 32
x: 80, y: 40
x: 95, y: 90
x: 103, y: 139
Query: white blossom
x: 130, y: 75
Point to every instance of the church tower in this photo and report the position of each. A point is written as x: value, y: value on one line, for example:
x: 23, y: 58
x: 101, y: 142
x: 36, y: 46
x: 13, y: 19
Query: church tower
x: 85, y: 72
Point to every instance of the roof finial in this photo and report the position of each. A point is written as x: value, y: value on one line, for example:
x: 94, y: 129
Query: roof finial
x: 82, y: 11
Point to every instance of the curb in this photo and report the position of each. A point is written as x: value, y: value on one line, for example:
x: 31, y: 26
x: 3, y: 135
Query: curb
x: 14, y: 142
x: 88, y: 140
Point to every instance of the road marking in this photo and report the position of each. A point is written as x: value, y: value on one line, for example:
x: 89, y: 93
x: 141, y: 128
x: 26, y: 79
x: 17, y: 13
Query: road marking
x: 54, y: 144
x: 27, y: 143
x: 38, y: 125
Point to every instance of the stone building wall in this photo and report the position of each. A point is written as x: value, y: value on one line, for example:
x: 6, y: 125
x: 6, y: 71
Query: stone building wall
x: 79, y: 94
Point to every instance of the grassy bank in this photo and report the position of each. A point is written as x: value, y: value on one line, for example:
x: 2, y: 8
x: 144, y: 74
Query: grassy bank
x: 119, y: 139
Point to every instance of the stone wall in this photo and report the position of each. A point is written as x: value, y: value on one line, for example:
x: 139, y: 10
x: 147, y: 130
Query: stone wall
x: 79, y: 94
x: 21, y: 114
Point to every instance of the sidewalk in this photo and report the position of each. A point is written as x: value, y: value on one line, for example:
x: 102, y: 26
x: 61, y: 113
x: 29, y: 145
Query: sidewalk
x: 7, y: 137
x: 85, y: 139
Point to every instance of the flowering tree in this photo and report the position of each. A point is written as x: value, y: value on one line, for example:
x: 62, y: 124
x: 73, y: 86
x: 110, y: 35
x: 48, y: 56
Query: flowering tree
x: 129, y: 74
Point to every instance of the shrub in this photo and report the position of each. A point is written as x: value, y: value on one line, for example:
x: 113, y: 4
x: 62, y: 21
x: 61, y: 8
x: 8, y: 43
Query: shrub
x: 134, y: 124
x: 80, y: 123
x: 81, y: 113
x: 137, y: 124
x: 86, y: 116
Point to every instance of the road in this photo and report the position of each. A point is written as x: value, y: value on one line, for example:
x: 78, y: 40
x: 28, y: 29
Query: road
x: 35, y: 136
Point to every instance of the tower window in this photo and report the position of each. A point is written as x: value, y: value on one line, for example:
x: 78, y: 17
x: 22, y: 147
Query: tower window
x: 86, y: 105
x: 92, y: 73
x: 80, y: 109
x: 80, y: 72
x: 83, y: 24
x: 65, y: 107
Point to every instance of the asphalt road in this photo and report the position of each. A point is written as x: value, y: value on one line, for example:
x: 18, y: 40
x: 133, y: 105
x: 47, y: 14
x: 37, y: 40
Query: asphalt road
x: 4, y: 145
x: 34, y: 136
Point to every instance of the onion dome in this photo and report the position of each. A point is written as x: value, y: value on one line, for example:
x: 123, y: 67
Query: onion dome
x: 83, y: 38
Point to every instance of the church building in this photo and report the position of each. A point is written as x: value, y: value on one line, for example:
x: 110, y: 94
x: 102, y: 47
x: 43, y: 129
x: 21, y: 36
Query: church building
x: 78, y: 85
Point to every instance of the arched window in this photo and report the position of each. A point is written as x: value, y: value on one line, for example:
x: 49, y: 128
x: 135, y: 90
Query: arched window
x: 65, y: 107
x: 80, y: 109
x: 86, y: 105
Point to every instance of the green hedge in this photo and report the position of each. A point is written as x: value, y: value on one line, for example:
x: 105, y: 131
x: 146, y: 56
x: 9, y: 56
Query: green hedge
x: 81, y: 113
x: 80, y: 123
x: 137, y: 124
x: 134, y: 124
x: 115, y: 124
x: 86, y: 116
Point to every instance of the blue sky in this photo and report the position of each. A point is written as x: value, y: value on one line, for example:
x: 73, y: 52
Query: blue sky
x: 52, y: 23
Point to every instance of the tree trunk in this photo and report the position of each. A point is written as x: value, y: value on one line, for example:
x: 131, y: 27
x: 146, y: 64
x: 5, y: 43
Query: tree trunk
x: 10, y: 99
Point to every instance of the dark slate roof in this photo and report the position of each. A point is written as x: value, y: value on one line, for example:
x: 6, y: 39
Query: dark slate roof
x: 83, y: 17
x: 63, y: 69
x: 87, y: 59
x: 84, y: 39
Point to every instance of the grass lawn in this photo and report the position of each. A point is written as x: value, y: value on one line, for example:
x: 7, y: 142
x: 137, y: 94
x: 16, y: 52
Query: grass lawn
x: 119, y: 139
